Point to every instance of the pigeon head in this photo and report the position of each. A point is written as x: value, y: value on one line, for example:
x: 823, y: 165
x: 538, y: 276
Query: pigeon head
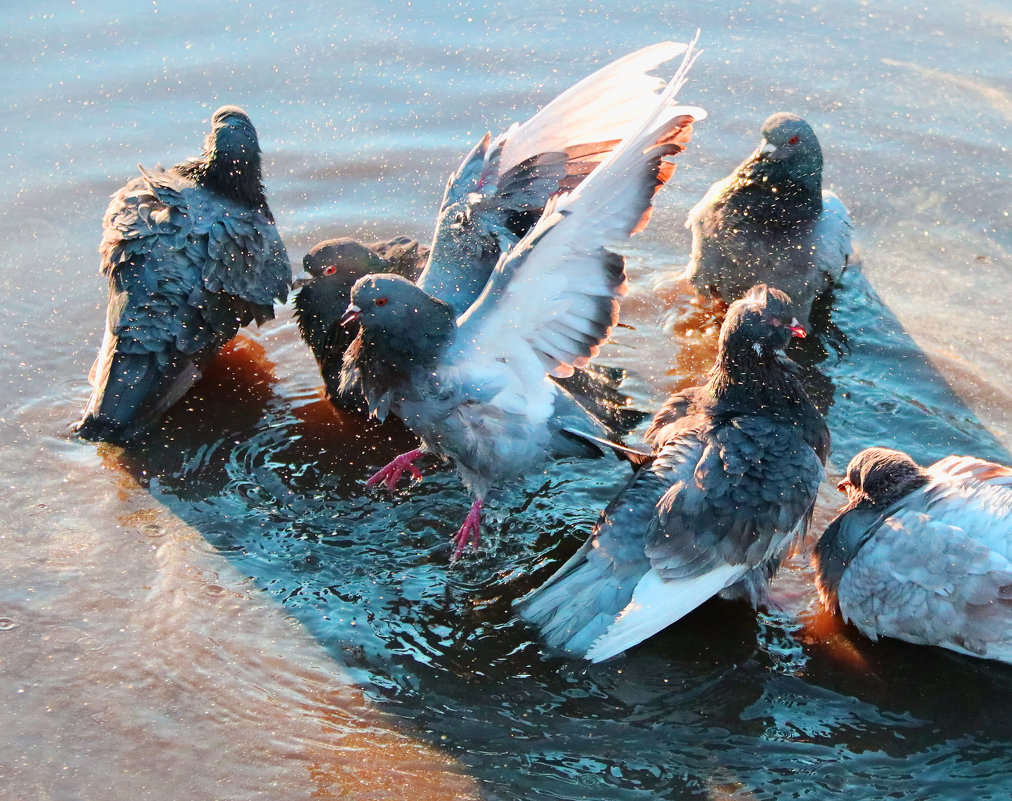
x: 329, y: 271
x: 230, y: 163
x: 879, y: 476
x: 789, y: 139
x: 758, y: 325
x: 401, y: 329
x: 780, y: 184
x: 391, y: 308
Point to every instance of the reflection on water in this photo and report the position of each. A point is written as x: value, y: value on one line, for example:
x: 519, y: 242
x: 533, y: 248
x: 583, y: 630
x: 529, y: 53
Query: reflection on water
x: 185, y: 617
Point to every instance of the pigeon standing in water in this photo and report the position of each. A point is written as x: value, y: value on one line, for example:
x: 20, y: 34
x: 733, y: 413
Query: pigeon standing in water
x: 191, y: 254
x: 475, y: 387
x: 730, y: 484
x: 495, y: 196
x: 923, y: 555
x: 330, y: 269
x: 771, y: 222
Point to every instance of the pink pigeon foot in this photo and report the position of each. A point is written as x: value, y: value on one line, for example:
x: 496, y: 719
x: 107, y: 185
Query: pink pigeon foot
x: 469, y: 531
x: 391, y: 474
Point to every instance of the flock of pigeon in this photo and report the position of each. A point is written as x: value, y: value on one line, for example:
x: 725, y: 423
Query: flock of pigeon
x: 483, y: 347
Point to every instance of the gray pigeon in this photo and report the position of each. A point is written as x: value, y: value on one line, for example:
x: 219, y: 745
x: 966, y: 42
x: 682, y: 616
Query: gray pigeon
x: 330, y: 269
x: 729, y: 486
x: 476, y: 387
x: 771, y: 222
x: 491, y: 201
x: 923, y: 555
x: 192, y: 255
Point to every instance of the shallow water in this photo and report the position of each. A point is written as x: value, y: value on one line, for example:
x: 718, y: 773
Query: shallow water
x: 221, y: 610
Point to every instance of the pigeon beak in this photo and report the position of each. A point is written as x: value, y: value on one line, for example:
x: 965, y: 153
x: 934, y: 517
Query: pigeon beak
x: 767, y: 148
x: 844, y: 485
x: 301, y: 280
x: 796, y: 329
x: 351, y: 315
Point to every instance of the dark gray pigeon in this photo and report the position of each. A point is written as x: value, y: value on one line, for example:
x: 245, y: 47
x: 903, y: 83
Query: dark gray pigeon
x: 330, y: 269
x: 729, y: 486
x: 923, y: 555
x: 491, y: 201
x: 192, y: 255
x: 476, y: 387
x: 771, y: 222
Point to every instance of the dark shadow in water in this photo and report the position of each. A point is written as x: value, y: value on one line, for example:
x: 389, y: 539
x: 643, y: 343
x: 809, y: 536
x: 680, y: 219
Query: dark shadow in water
x: 723, y: 705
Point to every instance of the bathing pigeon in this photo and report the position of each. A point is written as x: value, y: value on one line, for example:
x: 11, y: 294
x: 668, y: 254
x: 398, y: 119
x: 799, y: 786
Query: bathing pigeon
x: 324, y: 289
x: 728, y: 487
x: 475, y: 387
x: 923, y: 555
x: 491, y: 201
x: 191, y: 254
x: 330, y: 269
x: 771, y: 222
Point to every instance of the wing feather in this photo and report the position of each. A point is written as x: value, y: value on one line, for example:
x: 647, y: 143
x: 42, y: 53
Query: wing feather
x: 564, y: 258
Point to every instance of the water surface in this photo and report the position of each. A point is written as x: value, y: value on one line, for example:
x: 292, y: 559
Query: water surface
x: 221, y: 610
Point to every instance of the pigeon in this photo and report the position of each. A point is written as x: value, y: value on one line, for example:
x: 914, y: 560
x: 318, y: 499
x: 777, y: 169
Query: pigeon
x: 728, y: 487
x: 191, y: 254
x: 771, y: 222
x: 476, y: 387
x: 493, y: 198
x: 330, y: 269
x: 923, y: 554
x: 324, y: 288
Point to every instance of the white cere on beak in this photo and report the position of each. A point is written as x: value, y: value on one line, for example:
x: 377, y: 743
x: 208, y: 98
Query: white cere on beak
x: 766, y: 148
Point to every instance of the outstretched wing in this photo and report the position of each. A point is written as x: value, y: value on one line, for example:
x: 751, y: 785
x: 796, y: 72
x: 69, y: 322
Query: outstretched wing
x: 500, y: 189
x: 551, y: 302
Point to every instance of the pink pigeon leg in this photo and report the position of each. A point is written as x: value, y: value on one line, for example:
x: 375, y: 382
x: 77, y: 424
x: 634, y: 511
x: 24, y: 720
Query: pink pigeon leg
x: 391, y: 474
x: 470, y: 530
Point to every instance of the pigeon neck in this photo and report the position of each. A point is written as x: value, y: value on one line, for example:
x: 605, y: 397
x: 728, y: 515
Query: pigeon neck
x: 238, y: 181
x: 771, y: 194
x: 757, y: 382
x: 381, y: 359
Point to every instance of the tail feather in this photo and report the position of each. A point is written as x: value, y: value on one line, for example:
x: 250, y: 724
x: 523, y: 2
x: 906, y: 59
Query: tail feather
x: 129, y: 390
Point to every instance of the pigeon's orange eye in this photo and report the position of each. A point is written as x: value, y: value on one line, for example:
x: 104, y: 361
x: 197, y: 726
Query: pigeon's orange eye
x: 381, y: 301
x: 793, y: 140
x: 330, y: 269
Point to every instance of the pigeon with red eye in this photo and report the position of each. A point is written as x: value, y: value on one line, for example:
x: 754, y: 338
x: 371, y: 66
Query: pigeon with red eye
x: 477, y: 387
x: 330, y: 269
x: 191, y: 254
x: 923, y: 554
x: 727, y: 489
x: 771, y: 222
x: 493, y: 198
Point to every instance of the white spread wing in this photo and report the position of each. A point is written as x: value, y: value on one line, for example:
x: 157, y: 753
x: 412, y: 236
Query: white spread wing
x: 552, y: 300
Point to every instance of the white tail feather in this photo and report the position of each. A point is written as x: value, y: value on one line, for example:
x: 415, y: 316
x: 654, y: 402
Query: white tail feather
x: 656, y: 604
